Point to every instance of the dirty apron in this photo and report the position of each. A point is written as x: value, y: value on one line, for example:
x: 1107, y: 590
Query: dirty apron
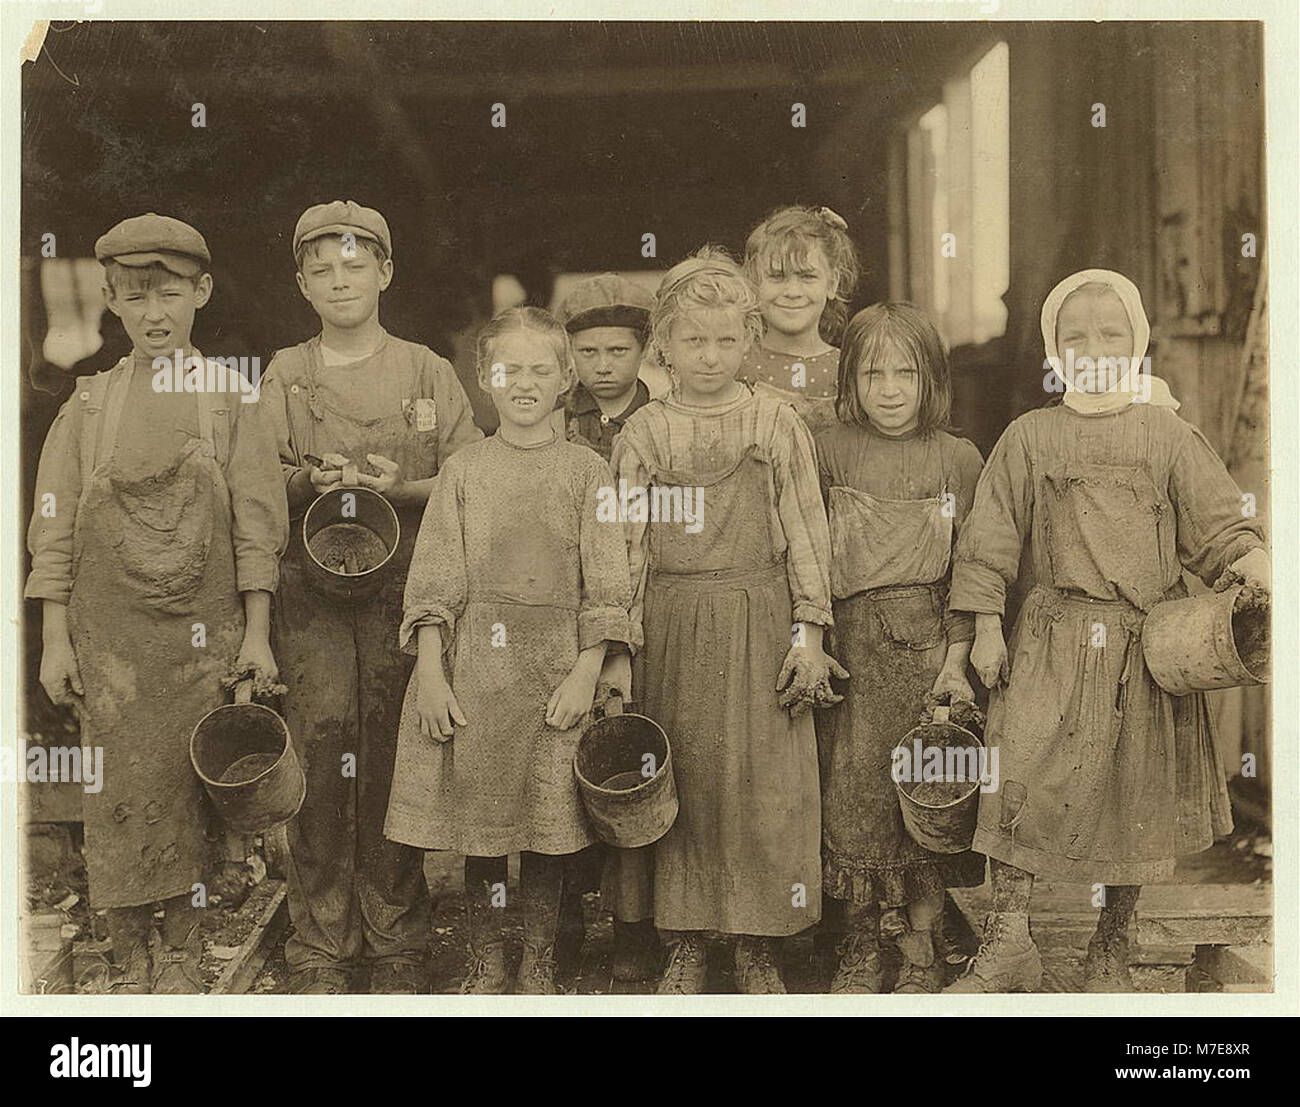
x: 889, y: 569
x: 353, y: 894
x: 152, y: 557
x: 1105, y: 778
x: 742, y: 857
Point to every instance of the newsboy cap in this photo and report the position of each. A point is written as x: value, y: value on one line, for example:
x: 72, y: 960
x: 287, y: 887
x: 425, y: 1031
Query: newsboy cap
x: 342, y: 217
x: 606, y: 301
x: 144, y: 239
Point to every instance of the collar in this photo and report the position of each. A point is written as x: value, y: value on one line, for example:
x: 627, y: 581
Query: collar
x: 584, y: 403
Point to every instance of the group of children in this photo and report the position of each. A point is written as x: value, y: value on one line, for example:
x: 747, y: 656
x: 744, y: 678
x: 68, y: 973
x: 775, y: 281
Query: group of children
x: 845, y: 564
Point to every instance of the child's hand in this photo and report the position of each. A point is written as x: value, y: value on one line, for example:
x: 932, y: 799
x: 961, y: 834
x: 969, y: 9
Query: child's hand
x: 390, y: 479
x: 1254, y: 568
x: 805, y: 679
x: 324, y: 479
x: 573, y: 698
x: 60, y: 673
x: 617, y: 672
x: 953, y: 683
x: 436, y: 705
x: 988, y: 656
x: 255, y: 655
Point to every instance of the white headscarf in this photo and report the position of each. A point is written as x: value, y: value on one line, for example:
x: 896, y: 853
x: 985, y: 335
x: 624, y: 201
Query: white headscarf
x: 1133, y: 388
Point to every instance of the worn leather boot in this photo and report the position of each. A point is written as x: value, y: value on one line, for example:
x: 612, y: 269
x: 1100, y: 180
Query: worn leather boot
x: 176, y: 959
x: 541, y: 885
x: 858, y: 971
x: 758, y: 972
x: 637, y: 951
x: 1007, y: 960
x: 486, y: 973
x: 687, y: 967
x: 398, y: 978
x: 130, y: 929
x: 321, y: 980
x: 1106, y: 968
x: 922, y: 969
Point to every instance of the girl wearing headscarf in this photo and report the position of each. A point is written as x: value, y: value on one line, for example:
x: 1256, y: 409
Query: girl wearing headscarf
x: 1104, y: 778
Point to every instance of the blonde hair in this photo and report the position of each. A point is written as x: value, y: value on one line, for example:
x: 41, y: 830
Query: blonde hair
x: 709, y: 279
x: 786, y: 236
x: 517, y: 320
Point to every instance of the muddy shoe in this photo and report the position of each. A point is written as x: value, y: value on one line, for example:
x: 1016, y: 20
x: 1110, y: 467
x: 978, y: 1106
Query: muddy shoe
x: 637, y: 951
x: 757, y: 973
x: 858, y: 972
x: 687, y: 966
x: 1007, y: 960
x: 487, y: 972
x: 397, y: 978
x: 132, y: 974
x: 536, y: 971
x: 324, y: 980
x: 922, y: 970
x: 1106, y: 968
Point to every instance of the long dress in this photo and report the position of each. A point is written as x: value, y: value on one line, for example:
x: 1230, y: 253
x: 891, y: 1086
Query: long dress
x: 353, y: 894
x: 1104, y: 776
x: 715, y: 609
x: 895, y: 506
x: 168, y: 506
x: 515, y: 563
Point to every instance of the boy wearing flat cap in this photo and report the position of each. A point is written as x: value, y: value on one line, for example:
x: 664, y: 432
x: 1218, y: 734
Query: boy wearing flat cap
x: 608, y: 319
x: 159, y: 522
x: 354, y: 406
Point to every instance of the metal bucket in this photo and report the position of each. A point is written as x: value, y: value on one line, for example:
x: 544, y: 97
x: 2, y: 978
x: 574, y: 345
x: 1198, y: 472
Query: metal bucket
x: 244, y: 756
x: 1191, y: 645
x: 350, y: 504
x: 947, y: 826
x: 627, y: 808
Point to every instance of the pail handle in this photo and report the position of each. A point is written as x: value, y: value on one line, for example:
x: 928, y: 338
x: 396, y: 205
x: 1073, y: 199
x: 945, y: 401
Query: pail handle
x: 244, y: 692
x: 613, y: 704
x: 941, y: 713
x: 350, y: 475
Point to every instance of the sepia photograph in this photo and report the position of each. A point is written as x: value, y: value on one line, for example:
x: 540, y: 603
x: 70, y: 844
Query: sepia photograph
x: 614, y: 510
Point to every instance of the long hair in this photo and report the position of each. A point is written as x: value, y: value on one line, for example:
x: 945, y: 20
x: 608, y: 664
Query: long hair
x: 907, y: 327
x: 781, y: 242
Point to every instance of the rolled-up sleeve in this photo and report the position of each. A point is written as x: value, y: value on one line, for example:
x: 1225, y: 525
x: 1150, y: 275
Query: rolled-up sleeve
x: 259, y: 527
x: 606, y: 583
x: 803, y: 519
x: 54, y: 515
x: 437, y: 584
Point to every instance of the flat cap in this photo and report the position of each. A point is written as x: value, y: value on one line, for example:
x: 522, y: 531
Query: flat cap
x: 144, y: 239
x: 606, y: 301
x: 342, y: 217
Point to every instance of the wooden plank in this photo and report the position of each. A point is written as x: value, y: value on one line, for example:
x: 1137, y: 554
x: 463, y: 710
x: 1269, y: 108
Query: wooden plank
x: 1205, y: 928
x: 242, y: 970
x: 1238, y: 965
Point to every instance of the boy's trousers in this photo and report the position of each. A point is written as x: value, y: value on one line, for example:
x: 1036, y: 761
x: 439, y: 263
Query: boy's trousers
x: 354, y: 896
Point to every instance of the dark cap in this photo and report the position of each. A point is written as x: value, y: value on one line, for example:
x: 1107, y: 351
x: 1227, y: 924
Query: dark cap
x: 342, y: 217
x: 144, y: 239
x: 606, y: 301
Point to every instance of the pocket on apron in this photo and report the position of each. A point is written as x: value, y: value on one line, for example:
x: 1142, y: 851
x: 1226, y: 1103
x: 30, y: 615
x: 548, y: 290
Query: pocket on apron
x: 911, y: 619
